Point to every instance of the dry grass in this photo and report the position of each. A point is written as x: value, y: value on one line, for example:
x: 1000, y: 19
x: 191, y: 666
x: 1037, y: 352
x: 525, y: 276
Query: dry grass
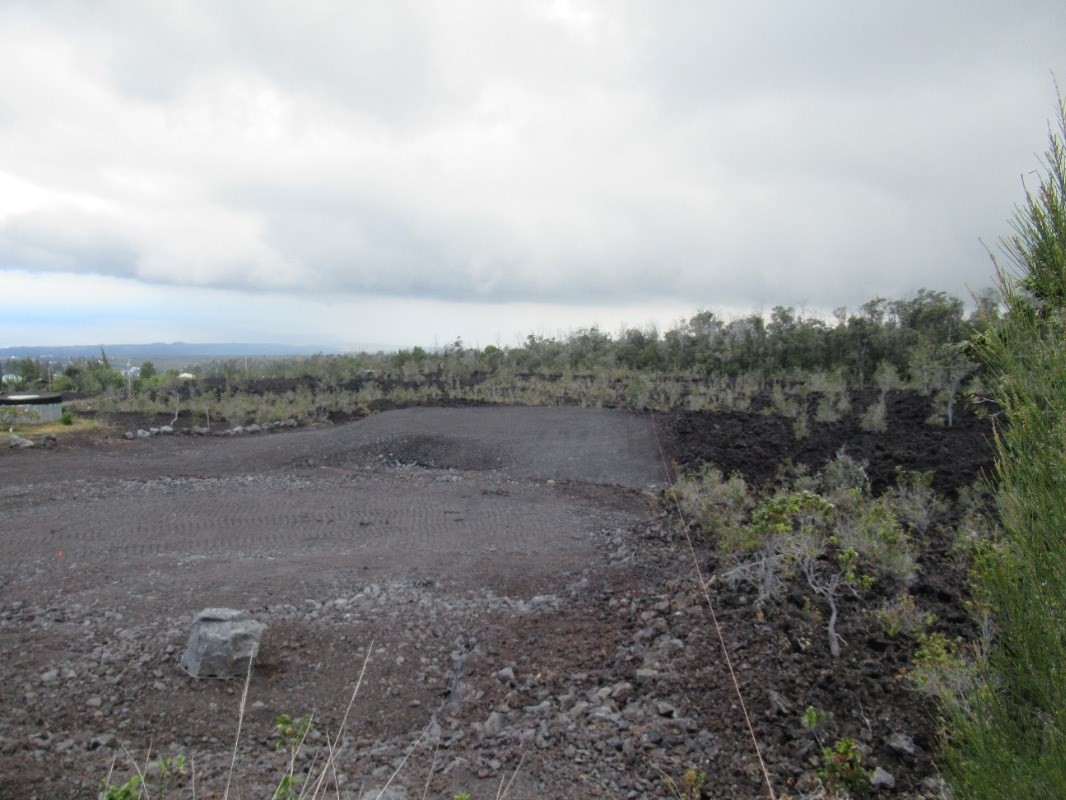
x: 56, y: 428
x: 319, y: 782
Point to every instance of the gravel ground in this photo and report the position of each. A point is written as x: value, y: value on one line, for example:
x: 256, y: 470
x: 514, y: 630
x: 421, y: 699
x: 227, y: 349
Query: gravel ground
x: 527, y: 614
x: 483, y: 563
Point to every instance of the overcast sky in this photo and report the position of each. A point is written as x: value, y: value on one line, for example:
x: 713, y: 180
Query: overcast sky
x: 349, y: 171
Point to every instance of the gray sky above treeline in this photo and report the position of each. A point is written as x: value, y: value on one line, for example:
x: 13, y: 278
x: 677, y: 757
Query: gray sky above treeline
x: 396, y: 172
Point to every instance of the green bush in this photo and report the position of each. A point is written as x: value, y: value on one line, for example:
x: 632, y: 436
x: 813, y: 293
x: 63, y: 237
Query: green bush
x: 1007, y: 734
x: 842, y: 768
x: 824, y: 530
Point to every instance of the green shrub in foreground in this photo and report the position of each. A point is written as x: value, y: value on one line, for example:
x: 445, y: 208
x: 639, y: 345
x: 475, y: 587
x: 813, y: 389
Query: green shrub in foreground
x: 1007, y: 733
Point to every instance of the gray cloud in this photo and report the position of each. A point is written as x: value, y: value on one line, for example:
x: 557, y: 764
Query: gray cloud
x: 595, y: 153
x: 66, y: 240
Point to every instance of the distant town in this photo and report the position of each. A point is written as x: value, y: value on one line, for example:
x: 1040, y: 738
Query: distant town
x: 165, y: 355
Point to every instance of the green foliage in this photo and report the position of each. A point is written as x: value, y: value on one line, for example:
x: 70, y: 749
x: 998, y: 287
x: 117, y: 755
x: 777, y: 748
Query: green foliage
x: 813, y: 718
x: 291, y: 731
x: 875, y: 418
x: 842, y: 768
x: 901, y: 615
x: 288, y: 787
x: 874, y: 531
x: 66, y: 418
x: 129, y: 790
x: 714, y: 505
x: 169, y: 767
x: 689, y: 787
x: 1007, y: 730
x: 939, y: 668
x: 824, y: 529
x: 136, y: 787
x: 89, y: 377
x: 790, y: 513
x: 30, y: 371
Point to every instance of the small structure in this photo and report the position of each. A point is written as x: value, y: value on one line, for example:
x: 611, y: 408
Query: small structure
x: 22, y: 409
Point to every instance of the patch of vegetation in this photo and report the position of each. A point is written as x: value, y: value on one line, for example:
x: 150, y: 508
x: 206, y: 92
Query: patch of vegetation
x: 827, y: 532
x: 1007, y: 730
x: 76, y: 425
x: 842, y: 769
x: 809, y: 365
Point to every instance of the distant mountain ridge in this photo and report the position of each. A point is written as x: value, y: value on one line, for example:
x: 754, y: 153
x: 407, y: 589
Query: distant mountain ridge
x: 185, y: 350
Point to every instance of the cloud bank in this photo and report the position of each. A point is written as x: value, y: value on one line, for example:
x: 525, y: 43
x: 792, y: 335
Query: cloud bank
x: 594, y: 154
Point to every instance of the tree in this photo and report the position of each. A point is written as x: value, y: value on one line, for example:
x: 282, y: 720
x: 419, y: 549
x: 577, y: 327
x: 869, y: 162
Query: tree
x: 148, y: 370
x: 29, y: 370
x: 933, y: 315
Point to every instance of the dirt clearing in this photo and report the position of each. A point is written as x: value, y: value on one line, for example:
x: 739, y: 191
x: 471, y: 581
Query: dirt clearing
x: 524, y: 607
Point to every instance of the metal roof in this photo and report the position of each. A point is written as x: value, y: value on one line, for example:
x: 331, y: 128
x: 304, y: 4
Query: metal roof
x: 30, y: 399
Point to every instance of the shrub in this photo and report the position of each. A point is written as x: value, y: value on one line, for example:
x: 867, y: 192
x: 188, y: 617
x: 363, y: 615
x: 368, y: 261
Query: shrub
x: 838, y: 541
x: 901, y: 615
x: 844, y: 473
x: 940, y: 668
x: 1007, y: 733
x: 842, y: 767
x: 711, y: 503
x: 875, y: 418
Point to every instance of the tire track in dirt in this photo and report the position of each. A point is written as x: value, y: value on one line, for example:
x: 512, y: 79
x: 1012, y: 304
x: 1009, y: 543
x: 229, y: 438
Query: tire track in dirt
x: 480, y: 528
x: 328, y: 537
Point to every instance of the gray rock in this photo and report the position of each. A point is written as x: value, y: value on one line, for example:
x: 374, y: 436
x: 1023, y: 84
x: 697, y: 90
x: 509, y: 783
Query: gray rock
x: 19, y: 443
x: 933, y: 786
x: 166, y: 430
x: 142, y: 433
x: 392, y: 793
x: 779, y: 704
x: 129, y: 435
x: 222, y: 643
x: 494, y: 724
x: 882, y: 779
x: 103, y: 740
x: 665, y: 709
x: 901, y: 744
x: 645, y: 676
x: 506, y: 675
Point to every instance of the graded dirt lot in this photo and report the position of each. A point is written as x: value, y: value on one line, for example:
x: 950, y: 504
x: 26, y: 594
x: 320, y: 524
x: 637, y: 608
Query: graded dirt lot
x: 423, y: 531
x: 524, y: 608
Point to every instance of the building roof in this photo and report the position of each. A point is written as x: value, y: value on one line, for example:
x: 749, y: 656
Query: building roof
x: 34, y: 399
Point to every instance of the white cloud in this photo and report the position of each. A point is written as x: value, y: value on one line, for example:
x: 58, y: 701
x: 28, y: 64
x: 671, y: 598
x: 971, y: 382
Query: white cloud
x: 582, y: 154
